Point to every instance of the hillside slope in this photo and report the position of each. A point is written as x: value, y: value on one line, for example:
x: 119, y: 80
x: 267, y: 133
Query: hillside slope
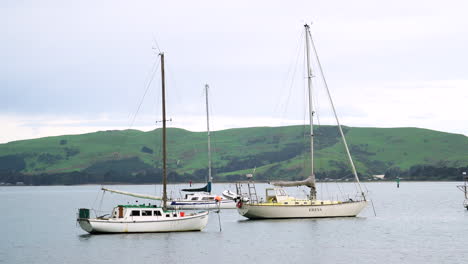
x: 276, y: 152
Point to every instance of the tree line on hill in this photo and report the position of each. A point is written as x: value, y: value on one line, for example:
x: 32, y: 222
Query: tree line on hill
x: 427, y: 173
x: 134, y: 171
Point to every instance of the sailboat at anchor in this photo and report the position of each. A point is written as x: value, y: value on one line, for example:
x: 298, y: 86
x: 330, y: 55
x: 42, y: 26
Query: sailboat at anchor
x: 202, y: 198
x: 141, y: 218
x: 464, y: 189
x: 277, y: 203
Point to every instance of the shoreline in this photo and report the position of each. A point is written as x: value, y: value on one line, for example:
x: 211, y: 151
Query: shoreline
x: 193, y: 183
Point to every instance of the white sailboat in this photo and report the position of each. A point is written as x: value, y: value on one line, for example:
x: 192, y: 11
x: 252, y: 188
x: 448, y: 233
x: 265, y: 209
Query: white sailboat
x: 464, y: 189
x: 141, y: 217
x: 202, y: 198
x: 277, y: 203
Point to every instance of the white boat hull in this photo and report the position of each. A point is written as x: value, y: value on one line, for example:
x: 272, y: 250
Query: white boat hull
x: 209, y: 205
x: 258, y: 211
x: 188, y: 223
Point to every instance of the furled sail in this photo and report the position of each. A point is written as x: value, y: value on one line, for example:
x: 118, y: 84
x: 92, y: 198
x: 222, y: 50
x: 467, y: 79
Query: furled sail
x: 309, y: 182
x: 207, y: 189
x: 144, y: 196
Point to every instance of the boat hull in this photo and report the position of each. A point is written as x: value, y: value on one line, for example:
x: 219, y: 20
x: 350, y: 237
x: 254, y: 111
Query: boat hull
x: 259, y: 211
x: 209, y: 205
x: 188, y: 223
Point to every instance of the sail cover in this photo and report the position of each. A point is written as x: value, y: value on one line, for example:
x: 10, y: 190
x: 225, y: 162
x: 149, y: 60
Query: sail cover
x: 207, y: 189
x: 309, y: 182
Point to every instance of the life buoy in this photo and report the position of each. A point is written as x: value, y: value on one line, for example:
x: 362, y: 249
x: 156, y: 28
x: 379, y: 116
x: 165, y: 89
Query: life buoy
x: 239, y: 204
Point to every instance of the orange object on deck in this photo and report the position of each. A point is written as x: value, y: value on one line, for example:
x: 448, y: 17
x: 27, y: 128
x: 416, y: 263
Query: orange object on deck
x: 182, y: 214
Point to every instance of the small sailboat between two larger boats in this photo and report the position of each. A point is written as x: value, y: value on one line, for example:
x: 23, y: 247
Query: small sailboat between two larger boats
x: 145, y: 218
x: 202, y: 198
x: 277, y: 203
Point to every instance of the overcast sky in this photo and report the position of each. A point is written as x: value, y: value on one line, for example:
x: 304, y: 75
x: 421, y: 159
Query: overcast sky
x: 70, y: 67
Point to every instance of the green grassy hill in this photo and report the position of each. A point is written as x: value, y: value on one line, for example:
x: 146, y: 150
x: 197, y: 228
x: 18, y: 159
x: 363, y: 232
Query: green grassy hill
x: 276, y: 152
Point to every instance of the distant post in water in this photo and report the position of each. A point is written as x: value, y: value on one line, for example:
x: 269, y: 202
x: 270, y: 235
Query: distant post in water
x: 398, y: 182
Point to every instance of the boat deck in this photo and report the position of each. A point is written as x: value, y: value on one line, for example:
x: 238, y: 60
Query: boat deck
x: 293, y: 201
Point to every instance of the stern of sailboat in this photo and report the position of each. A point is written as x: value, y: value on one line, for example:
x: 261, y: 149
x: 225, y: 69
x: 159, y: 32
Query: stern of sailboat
x: 83, y: 219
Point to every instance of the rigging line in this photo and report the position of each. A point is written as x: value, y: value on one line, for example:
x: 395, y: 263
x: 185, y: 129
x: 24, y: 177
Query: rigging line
x: 156, y: 42
x: 303, y: 155
x: 305, y: 159
x: 156, y: 142
x: 298, y: 53
x: 146, y: 90
x: 339, y: 189
x: 305, y: 132
x: 157, y: 134
x: 96, y: 198
x: 153, y: 71
x: 174, y: 90
x: 305, y: 128
x: 328, y: 191
x: 316, y: 103
x: 187, y: 143
x: 336, y: 116
x: 102, y: 199
x: 213, y: 138
x: 305, y: 89
x: 169, y: 147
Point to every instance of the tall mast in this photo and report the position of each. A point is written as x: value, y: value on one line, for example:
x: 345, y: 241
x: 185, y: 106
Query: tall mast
x: 313, y: 191
x: 164, y: 197
x: 209, y: 141
x: 336, y: 116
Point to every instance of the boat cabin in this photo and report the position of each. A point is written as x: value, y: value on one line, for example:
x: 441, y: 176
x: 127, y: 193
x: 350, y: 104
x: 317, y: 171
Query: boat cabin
x: 142, y: 211
x: 201, y: 197
x: 276, y: 195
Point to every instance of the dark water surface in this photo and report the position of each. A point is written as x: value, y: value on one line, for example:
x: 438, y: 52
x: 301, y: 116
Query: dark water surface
x: 421, y: 222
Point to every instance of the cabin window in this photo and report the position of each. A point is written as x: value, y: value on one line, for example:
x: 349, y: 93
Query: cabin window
x: 175, y: 215
x: 285, y: 202
x: 135, y: 213
x: 194, y: 198
x: 168, y: 215
x: 207, y: 198
x: 157, y: 213
x: 297, y: 202
x: 281, y: 192
x: 270, y: 192
x: 146, y: 213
